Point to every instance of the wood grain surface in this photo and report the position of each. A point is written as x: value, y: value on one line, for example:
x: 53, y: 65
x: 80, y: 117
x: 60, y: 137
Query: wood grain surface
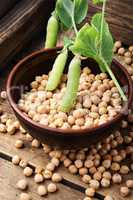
x: 20, y: 24
x: 119, y: 14
x: 10, y: 175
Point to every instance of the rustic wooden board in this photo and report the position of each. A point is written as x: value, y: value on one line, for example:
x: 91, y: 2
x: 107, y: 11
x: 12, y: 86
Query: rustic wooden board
x: 20, y: 24
x: 9, y: 176
x: 120, y: 17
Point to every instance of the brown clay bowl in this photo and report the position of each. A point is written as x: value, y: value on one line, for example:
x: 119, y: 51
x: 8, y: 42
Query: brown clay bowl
x: 41, y: 62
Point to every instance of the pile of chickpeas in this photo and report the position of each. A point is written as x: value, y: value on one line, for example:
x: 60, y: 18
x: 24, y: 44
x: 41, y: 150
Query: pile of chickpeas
x: 99, y: 166
x: 98, y: 101
x: 126, y: 55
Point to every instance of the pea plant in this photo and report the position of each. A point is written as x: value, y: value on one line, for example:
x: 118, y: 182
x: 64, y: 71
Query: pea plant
x: 93, y: 40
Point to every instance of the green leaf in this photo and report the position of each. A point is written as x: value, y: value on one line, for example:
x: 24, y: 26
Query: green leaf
x: 65, y: 12
x: 98, y: 1
x: 81, y: 8
x: 67, y: 42
x: 85, y: 43
x: 106, y: 43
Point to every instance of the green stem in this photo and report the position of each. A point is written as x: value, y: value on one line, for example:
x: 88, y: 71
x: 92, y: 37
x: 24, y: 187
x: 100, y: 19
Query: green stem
x: 102, y: 21
x: 123, y: 96
x: 74, y: 26
x: 73, y: 21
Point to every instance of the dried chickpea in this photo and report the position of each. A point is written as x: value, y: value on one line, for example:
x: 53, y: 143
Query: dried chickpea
x: 115, y: 166
x: 121, y: 51
x: 97, y: 176
x: 52, y: 188
x: 23, y: 163
x: 3, y: 128
x: 87, y: 198
x: 86, y: 178
x: 90, y: 192
x: 55, y: 161
x: 124, y: 191
x: 129, y: 183
x: 56, y: 178
x: 116, y: 178
x: 35, y: 143
x: 50, y: 167
x: 19, y: 144
x: 47, y: 174
x: 108, y: 197
x: 107, y: 175
x: 105, y: 182
x: 25, y: 196
x: 73, y: 169
x: 88, y: 163
x: 94, y: 184
x: 16, y: 160
x: 42, y: 191
x: 67, y: 162
x: 78, y: 163
x: 124, y: 169
x: 3, y: 95
x: 38, y: 178
x: 22, y: 184
x: 83, y: 171
x: 28, y: 171
x: 118, y: 44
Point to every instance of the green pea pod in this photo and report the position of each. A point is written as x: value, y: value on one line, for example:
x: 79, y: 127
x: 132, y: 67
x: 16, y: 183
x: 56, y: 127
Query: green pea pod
x: 52, y: 32
x: 57, y: 71
x: 72, y: 85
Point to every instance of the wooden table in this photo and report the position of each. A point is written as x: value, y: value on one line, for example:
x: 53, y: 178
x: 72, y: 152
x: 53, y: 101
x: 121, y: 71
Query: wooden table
x: 71, y: 188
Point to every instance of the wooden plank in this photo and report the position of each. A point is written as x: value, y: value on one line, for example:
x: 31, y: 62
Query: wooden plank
x: 120, y: 17
x: 10, y: 175
x: 18, y: 27
x: 5, y: 6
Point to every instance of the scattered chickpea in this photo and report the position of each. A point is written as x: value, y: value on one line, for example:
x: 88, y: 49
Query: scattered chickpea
x: 124, y: 169
x: 108, y: 197
x: 107, y: 175
x: 94, y: 184
x: 47, y: 174
x: 23, y: 163
x: 25, y: 196
x: 129, y: 183
x: 118, y: 44
x: 55, y: 161
x: 67, y: 162
x: 83, y: 171
x: 3, y: 128
x: 73, y: 169
x: 28, y: 171
x: 56, y: 178
x: 39, y: 178
x: 19, y: 144
x: 121, y: 51
x: 16, y: 160
x: 116, y: 178
x: 115, y: 166
x: 124, y: 191
x: 105, y: 182
x: 35, y: 143
x: 87, y: 198
x: 86, y: 178
x: 52, y: 188
x: 90, y: 192
x: 42, y: 191
x: 97, y: 176
x: 3, y: 95
x: 22, y: 184
x: 78, y: 163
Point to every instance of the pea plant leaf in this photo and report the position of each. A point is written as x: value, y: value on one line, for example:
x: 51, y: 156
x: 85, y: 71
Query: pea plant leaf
x: 95, y: 41
x: 71, y: 12
x: 106, y: 41
x: 65, y: 12
x: 80, y: 12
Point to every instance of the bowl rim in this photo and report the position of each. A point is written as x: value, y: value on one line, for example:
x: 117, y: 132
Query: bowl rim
x: 59, y: 130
